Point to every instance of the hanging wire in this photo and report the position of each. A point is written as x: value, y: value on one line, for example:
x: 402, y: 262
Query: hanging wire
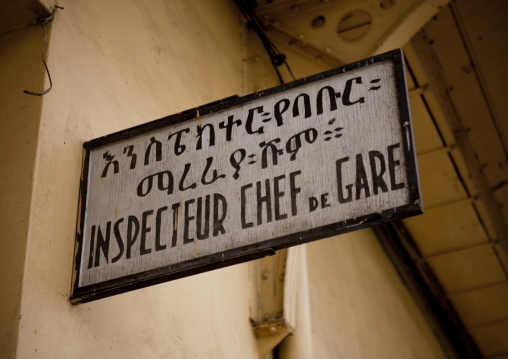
x: 277, y: 58
x: 43, y: 22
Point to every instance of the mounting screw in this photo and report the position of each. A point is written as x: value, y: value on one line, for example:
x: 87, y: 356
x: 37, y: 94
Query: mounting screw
x: 265, y: 275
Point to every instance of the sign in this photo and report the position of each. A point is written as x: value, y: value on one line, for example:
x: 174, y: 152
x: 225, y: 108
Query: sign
x: 238, y: 179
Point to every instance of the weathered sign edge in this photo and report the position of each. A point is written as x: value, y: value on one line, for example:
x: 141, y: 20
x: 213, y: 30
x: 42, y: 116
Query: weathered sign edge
x: 257, y: 250
x: 234, y: 256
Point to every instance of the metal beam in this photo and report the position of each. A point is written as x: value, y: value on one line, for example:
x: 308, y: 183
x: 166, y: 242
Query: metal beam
x: 297, y: 43
x: 426, y: 290
x: 438, y: 86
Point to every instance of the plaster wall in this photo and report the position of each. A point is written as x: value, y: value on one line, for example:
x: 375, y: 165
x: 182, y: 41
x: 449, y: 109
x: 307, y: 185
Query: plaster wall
x: 20, y: 68
x: 114, y: 65
x: 360, y: 307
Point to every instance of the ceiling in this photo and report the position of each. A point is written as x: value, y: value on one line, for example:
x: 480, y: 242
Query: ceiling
x: 463, y: 237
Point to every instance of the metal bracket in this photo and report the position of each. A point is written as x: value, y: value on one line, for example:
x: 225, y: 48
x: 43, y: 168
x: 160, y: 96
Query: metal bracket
x: 273, y: 300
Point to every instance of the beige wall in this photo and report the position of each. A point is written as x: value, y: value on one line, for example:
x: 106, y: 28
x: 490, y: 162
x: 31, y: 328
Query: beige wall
x: 20, y: 68
x: 114, y: 65
x: 118, y: 64
x: 359, y: 306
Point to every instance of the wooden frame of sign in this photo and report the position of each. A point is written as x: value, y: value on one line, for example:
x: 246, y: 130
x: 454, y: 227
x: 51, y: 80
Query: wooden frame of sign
x: 238, y: 179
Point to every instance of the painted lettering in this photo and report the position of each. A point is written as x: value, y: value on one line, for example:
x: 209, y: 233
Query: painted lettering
x: 376, y: 171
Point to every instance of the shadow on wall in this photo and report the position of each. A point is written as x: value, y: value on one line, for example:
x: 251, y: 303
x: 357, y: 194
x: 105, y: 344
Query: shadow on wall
x: 21, y: 68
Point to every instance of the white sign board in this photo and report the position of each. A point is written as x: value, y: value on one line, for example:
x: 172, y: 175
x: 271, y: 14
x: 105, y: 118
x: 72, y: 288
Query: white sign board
x: 239, y: 179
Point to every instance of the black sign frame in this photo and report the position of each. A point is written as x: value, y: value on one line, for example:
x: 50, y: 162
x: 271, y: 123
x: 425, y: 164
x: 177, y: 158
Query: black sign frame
x: 267, y: 247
